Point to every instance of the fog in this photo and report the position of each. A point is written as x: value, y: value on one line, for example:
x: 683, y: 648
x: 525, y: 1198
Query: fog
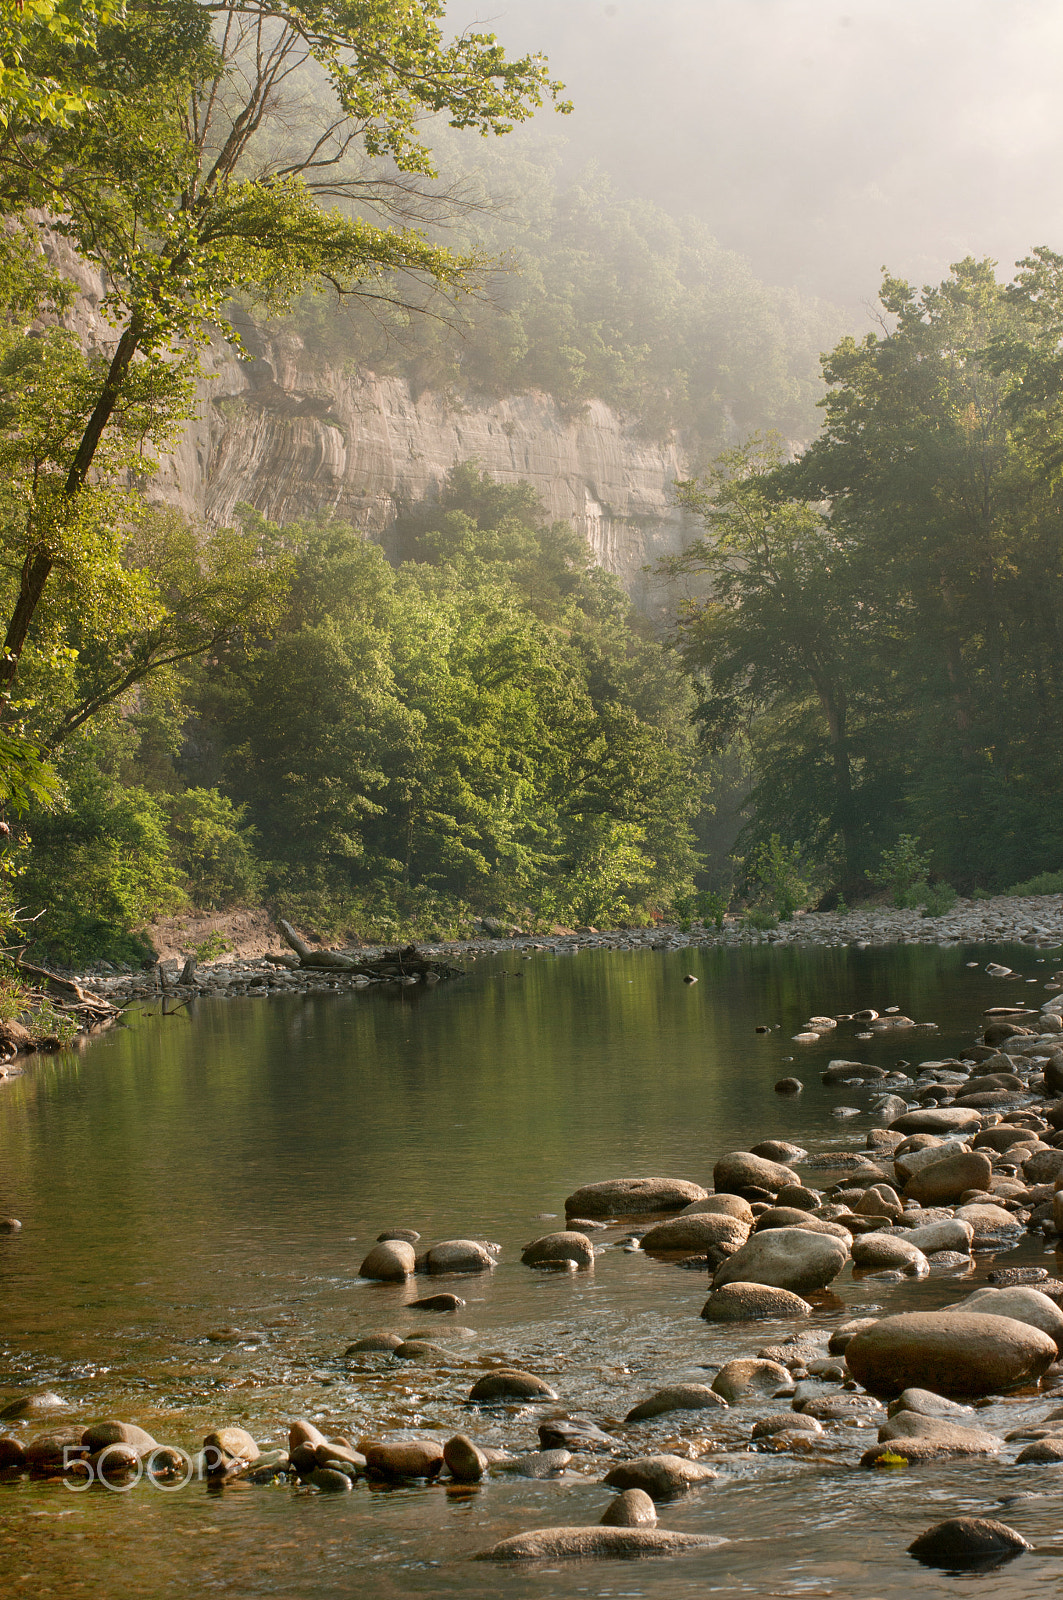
x: 823, y: 139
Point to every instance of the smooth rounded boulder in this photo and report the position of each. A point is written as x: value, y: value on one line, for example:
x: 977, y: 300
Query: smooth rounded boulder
x: 632, y: 1197
x: 632, y: 1509
x: 510, y: 1383
x: 731, y: 1205
x: 753, y: 1302
x: 392, y: 1261
x: 874, y: 1251
x: 1024, y: 1303
x: 464, y: 1460
x: 679, y: 1397
x: 942, y: 1183
x: 742, y: 1170
x: 459, y: 1255
x: 696, y: 1233
x: 750, y: 1376
x: 938, y: 1119
x: 563, y: 1246
x: 663, y: 1477
x: 786, y: 1258
x: 965, y: 1540
x: 408, y: 1458
x: 949, y: 1352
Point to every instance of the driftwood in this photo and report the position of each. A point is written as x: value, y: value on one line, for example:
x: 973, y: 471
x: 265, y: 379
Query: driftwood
x: 70, y: 995
x: 406, y: 963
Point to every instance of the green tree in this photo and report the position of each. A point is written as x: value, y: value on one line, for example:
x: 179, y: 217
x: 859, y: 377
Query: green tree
x: 175, y: 169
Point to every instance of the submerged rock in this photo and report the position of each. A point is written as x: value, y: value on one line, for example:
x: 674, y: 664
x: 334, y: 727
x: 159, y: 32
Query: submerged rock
x: 737, y: 1380
x: 509, y: 1383
x: 390, y: 1262
x: 965, y: 1540
x: 555, y: 1247
x: 679, y: 1397
x: 753, y: 1302
x: 581, y: 1544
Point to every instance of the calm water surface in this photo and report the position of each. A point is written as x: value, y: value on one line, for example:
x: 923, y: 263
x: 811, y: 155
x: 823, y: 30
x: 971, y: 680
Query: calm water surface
x: 198, y: 1191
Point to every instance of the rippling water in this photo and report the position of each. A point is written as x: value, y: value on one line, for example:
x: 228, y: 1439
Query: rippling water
x: 198, y: 1191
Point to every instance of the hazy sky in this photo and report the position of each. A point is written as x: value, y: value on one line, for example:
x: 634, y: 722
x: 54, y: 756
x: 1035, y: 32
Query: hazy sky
x: 821, y: 138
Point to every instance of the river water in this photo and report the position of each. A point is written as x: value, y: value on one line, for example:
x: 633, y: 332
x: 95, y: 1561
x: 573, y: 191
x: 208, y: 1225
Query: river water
x: 197, y: 1192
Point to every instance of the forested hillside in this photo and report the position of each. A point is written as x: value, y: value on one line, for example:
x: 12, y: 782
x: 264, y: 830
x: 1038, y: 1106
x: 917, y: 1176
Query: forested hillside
x: 593, y: 295
x: 884, y: 644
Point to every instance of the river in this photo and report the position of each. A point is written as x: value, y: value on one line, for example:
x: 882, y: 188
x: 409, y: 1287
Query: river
x: 197, y: 1192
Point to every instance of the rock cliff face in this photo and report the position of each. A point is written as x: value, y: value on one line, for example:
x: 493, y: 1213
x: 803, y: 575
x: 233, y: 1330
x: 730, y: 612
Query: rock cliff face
x: 290, y: 437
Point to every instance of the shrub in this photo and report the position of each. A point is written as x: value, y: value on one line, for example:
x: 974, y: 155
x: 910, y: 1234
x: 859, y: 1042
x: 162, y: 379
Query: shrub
x: 1043, y: 883
x: 939, y: 900
x: 757, y: 917
x: 903, y: 869
x: 779, y: 869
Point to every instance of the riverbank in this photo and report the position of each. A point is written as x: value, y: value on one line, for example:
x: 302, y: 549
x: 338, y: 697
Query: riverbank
x: 251, y: 966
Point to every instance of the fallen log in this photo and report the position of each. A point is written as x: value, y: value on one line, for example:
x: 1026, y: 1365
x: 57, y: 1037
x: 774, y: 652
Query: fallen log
x: 406, y: 963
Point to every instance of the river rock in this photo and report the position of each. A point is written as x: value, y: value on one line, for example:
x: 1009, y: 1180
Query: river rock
x: 794, y: 1196
x: 679, y: 1397
x: 564, y: 1246
x: 420, y: 1350
x: 390, y: 1262
x: 796, y: 1217
x: 990, y: 1224
x: 730, y: 1205
x: 583, y: 1544
x: 951, y: 1233
x: 330, y: 1480
x: 913, y: 1451
x: 928, y: 1404
x: 224, y: 1447
x: 332, y: 1453
x: 406, y: 1458
x: 836, y: 1407
x: 632, y: 1197
x: 509, y: 1383
x: 572, y: 1433
x: 1023, y: 1303
x: 44, y: 1453
x: 662, y: 1477
x: 632, y: 1509
x: 843, y: 1071
x: 785, y: 1258
x: 960, y: 1440
x: 39, y: 1404
x: 738, y: 1380
x: 1046, y: 1451
x: 942, y: 1183
x: 100, y: 1435
x: 12, y: 1454
x: 437, y: 1302
x: 741, y: 1170
x: 408, y: 1235
x: 938, y: 1119
x: 458, y: 1255
x: 779, y: 1150
x: 874, y: 1251
x: 464, y: 1460
x: 879, y: 1200
x: 302, y: 1432
x: 753, y: 1302
x: 789, y: 1086
x: 542, y: 1464
x: 374, y: 1344
x: 967, y: 1541
x: 785, y: 1422
x: 696, y: 1233
x: 840, y: 1337
x: 952, y: 1352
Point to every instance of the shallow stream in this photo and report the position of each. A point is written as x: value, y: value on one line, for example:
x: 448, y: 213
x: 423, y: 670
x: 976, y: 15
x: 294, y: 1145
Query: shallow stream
x: 197, y: 1192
